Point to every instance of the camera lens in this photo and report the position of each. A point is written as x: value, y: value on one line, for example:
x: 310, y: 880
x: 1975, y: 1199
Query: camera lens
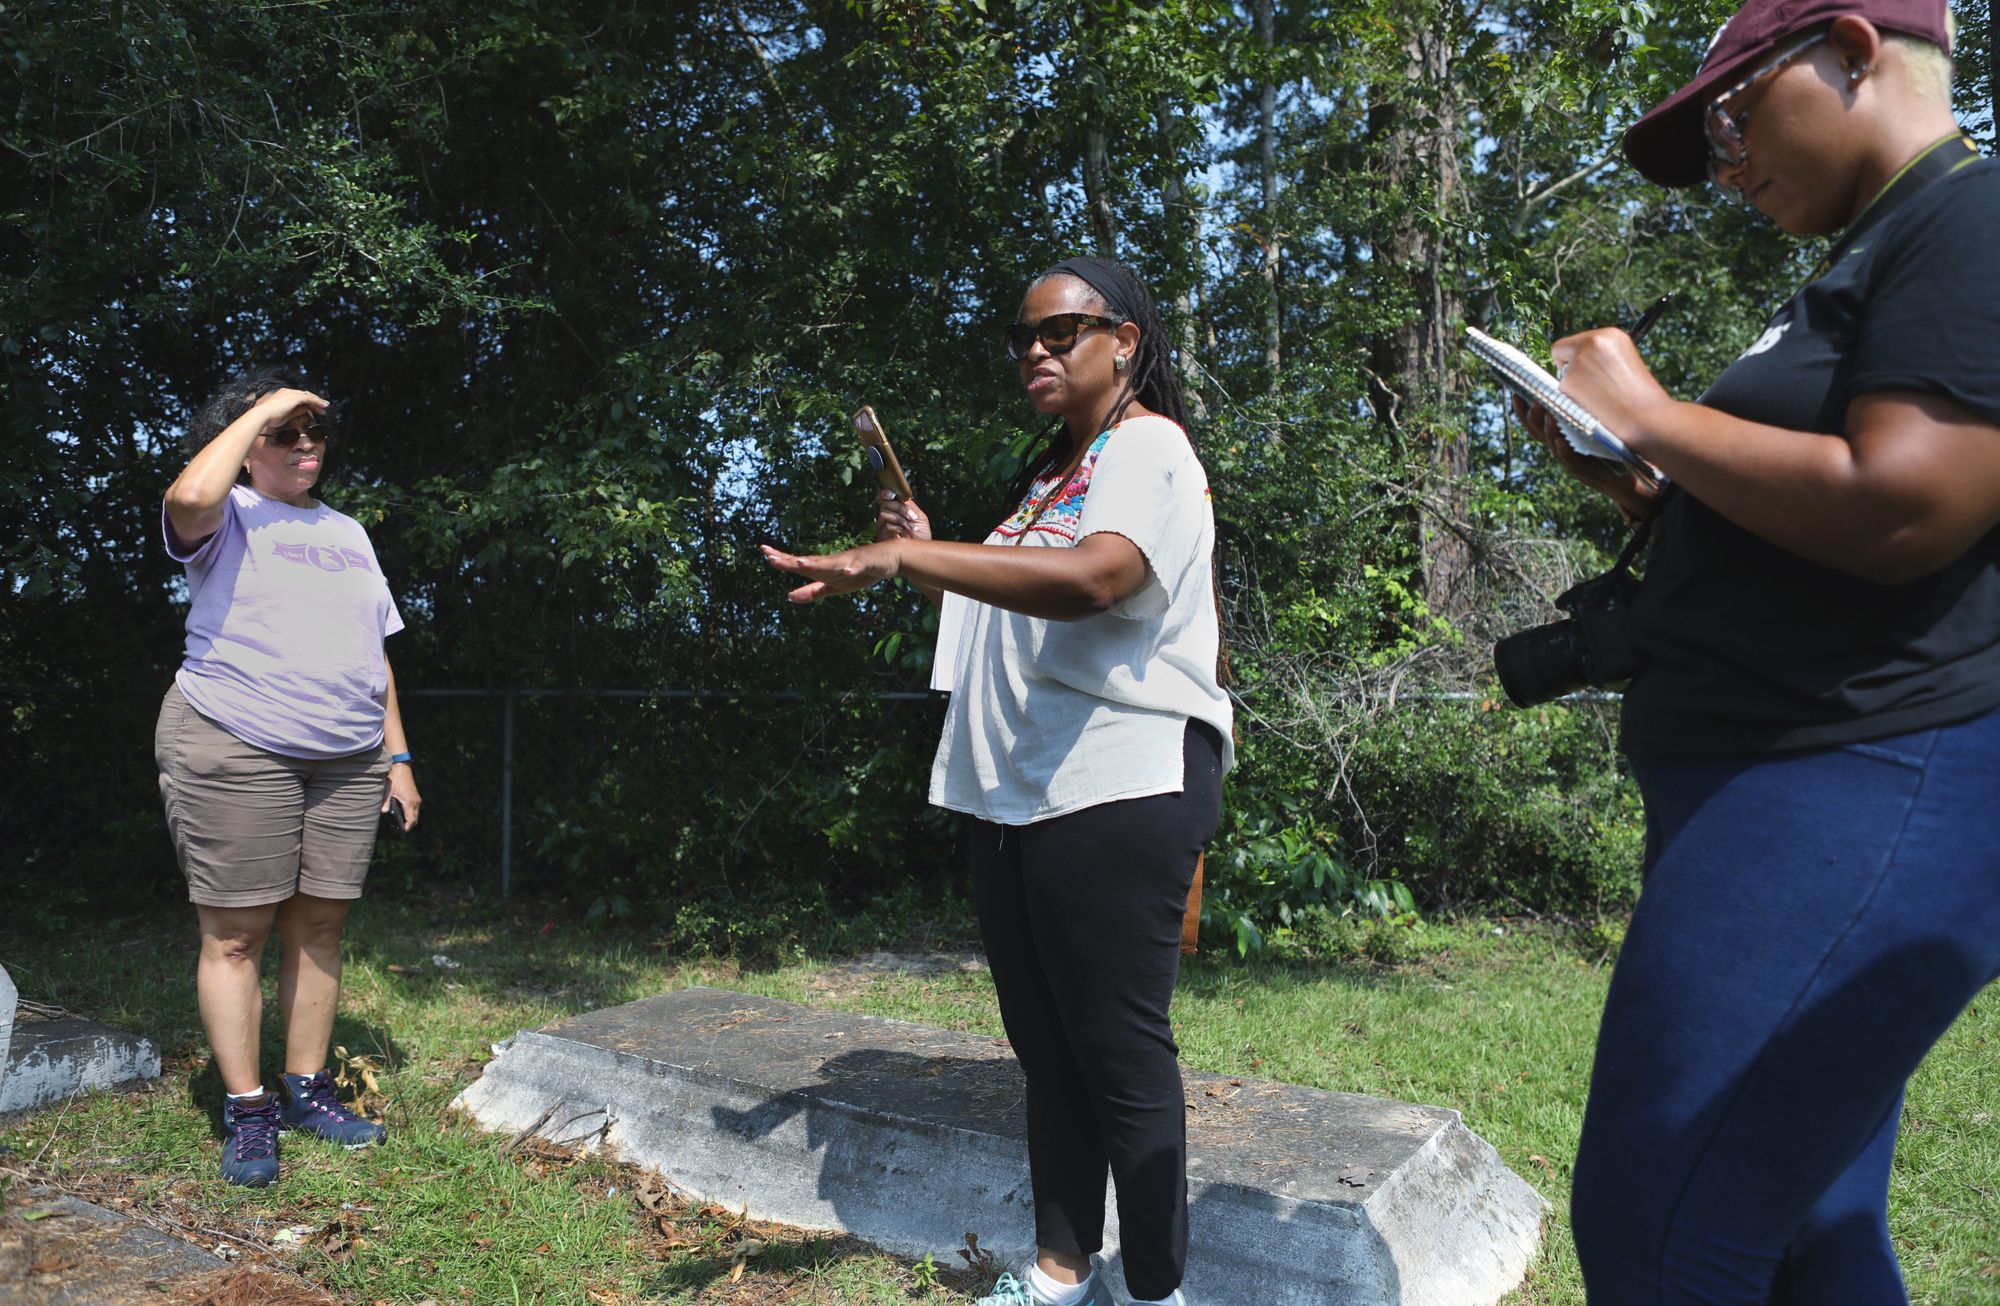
x: 1541, y: 663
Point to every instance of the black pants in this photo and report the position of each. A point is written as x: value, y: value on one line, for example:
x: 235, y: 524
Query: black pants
x: 1082, y: 920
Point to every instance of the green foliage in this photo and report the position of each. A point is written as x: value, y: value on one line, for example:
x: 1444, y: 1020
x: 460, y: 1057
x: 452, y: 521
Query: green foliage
x: 1479, y: 803
x: 1446, y: 804
x: 596, y: 288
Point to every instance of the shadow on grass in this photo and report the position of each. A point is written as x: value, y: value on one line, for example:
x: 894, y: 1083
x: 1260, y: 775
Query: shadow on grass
x: 695, y: 1271
x: 205, y: 1090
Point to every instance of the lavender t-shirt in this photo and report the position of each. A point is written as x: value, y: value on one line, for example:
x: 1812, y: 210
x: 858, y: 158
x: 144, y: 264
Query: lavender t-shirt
x: 285, y: 631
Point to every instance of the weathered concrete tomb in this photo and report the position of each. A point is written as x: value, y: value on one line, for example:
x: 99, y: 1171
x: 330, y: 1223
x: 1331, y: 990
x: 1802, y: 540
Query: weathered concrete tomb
x: 45, y: 1060
x: 911, y: 1137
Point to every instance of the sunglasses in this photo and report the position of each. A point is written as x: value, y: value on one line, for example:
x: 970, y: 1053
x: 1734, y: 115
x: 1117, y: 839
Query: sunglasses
x: 1057, y: 332
x: 1725, y: 129
x: 287, y: 436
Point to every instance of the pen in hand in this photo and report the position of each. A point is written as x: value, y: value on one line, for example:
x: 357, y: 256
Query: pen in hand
x: 1639, y: 329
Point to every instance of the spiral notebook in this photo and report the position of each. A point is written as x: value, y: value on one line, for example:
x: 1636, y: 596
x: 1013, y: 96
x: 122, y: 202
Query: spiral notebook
x: 1580, y: 427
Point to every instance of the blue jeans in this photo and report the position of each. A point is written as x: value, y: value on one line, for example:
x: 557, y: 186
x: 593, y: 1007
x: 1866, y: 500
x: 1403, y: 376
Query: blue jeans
x: 1811, y: 924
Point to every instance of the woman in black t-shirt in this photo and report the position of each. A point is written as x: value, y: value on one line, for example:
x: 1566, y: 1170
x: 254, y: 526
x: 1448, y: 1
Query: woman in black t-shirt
x: 1817, y: 733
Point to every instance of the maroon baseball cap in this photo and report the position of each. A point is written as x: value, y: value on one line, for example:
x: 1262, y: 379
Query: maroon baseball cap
x: 1669, y: 145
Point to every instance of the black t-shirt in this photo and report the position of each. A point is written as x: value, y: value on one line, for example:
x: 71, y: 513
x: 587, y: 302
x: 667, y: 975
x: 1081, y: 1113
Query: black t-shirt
x: 1755, y: 649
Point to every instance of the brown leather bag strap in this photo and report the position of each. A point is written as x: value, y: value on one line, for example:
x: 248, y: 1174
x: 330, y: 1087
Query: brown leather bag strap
x: 1191, y: 921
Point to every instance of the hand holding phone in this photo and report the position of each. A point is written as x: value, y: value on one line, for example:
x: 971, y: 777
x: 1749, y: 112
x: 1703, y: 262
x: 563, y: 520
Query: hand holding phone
x: 881, y: 457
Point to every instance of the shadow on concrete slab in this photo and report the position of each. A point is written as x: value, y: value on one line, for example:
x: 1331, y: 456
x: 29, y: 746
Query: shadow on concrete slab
x: 912, y: 1137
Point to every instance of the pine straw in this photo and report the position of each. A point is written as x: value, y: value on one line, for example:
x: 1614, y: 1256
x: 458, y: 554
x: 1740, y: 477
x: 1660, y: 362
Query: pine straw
x: 248, y: 1287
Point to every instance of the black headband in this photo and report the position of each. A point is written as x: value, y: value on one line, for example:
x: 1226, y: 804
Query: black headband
x: 1122, y: 292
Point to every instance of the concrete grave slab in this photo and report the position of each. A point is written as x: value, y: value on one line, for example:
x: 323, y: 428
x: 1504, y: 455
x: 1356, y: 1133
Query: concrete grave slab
x: 79, y: 1254
x: 47, y: 1060
x: 910, y: 1137
x: 10, y: 1000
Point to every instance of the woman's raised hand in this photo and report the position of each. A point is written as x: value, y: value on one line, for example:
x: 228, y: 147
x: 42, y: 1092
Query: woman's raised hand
x: 897, y: 518
x: 837, y: 573
x: 272, y: 409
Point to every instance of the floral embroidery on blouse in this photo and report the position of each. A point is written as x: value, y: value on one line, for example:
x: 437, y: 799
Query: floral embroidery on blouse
x: 1064, y: 511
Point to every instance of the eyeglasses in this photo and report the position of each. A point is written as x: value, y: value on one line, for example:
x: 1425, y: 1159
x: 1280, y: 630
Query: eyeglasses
x: 1057, y: 332
x: 1725, y: 129
x: 287, y: 436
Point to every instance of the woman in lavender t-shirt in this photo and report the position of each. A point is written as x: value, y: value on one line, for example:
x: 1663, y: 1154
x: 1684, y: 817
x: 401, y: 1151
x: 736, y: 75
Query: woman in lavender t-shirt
x: 279, y: 745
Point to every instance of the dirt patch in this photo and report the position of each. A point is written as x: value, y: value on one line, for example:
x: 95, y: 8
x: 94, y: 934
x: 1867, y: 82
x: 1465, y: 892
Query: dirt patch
x: 848, y: 979
x: 56, y: 1247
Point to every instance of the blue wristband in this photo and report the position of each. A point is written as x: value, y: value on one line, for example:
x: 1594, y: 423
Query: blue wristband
x: 398, y: 757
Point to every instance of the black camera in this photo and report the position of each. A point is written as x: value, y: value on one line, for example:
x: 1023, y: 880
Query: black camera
x: 1590, y: 649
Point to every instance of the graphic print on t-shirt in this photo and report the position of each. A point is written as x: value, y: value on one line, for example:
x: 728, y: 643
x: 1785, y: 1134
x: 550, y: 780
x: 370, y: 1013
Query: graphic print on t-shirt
x: 326, y: 559
x: 1061, y: 514
x: 1768, y: 341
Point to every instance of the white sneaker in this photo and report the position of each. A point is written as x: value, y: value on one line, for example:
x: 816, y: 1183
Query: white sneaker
x: 1010, y: 1291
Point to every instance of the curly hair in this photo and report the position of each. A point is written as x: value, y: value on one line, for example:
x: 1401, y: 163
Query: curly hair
x: 235, y: 397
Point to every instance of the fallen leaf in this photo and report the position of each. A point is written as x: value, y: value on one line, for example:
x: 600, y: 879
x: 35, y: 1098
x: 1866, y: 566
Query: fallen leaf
x: 52, y: 1264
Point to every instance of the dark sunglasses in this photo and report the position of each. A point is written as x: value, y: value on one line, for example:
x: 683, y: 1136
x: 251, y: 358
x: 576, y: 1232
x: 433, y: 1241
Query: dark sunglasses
x: 1057, y: 332
x: 287, y: 436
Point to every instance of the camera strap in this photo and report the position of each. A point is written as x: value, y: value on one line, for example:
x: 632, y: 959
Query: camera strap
x: 1641, y: 535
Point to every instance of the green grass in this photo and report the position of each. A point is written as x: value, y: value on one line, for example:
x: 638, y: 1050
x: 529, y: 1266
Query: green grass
x: 1497, y: 1021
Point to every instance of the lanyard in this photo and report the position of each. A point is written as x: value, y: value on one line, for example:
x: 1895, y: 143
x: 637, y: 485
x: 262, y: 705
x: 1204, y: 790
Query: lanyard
x: 1939, y: 160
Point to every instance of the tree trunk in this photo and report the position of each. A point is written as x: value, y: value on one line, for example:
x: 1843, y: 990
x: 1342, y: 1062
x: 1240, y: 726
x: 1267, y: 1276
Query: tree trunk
x: 1414, y: 124
x: 1183, y: 220
x: 1267, y: 164
x: 1103, y: 227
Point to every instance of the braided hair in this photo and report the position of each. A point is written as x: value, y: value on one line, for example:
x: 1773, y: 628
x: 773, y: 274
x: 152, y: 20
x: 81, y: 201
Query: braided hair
x: 1149, y: 380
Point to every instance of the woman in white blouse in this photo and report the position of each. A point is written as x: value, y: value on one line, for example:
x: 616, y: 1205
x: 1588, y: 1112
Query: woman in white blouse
x: 1088, y: 736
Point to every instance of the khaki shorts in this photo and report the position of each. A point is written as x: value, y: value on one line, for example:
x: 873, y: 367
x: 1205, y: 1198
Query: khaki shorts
x: 252, y: 827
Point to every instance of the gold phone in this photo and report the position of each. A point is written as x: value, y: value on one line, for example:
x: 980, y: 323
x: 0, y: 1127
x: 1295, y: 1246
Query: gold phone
x: 881, y: 457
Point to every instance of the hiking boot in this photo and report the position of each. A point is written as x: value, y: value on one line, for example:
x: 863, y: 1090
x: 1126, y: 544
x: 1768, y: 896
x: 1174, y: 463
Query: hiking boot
x: 1010, y: 1291
x: 312, y: 1108
x: 250, y: 1141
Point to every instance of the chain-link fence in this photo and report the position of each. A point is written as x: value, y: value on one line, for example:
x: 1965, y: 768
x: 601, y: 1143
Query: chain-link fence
x: 549, y: 764
x: 603, y: 792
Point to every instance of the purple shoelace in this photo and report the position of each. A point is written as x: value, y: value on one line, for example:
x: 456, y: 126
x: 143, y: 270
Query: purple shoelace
x: 256, y: 1130
x: 317, y: 1092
